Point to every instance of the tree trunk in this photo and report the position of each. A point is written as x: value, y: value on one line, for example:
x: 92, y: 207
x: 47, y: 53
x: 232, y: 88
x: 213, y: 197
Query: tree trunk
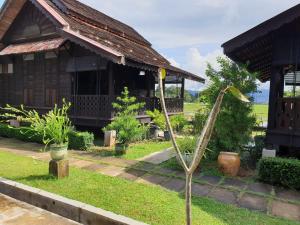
x: 188, y: 198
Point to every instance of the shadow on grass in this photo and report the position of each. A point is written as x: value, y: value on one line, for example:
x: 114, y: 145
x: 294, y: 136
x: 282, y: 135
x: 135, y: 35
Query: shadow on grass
x: 35, y: 178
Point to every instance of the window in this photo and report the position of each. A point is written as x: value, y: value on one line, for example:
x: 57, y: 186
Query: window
x: 28, y: 97
x: 6, y: 68
x: 50, y: 55
x: 28, y: 57
x: 50, y: 97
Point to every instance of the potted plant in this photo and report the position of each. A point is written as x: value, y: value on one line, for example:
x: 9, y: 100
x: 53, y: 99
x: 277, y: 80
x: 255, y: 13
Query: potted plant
x: 160, y: 122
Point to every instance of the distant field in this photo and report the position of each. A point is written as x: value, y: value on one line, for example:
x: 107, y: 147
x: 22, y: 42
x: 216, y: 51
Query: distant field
x: 260, y: 110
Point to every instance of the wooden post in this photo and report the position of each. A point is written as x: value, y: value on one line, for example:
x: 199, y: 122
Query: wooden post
x: 111, y: 87
x: 182, y: 88
x: 276, y: 91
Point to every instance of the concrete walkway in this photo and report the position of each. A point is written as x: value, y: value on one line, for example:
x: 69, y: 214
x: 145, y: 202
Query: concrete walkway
x: 19, y: 213
x: 245, y: 194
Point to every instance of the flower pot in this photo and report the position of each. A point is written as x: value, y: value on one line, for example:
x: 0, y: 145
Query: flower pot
x: 59, y: 152
x: 121, y: 149
x: 167, y: 135
x: 229, y: 163
x: 187, y: 157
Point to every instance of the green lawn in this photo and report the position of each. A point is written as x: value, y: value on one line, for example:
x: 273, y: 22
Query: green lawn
x: 261, y: 112
x: 135, y: 151
x: 153, y: 205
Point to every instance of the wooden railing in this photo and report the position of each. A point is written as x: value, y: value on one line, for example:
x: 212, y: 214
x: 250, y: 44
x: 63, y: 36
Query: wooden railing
x: 288, y: 114
x: 100, y: 106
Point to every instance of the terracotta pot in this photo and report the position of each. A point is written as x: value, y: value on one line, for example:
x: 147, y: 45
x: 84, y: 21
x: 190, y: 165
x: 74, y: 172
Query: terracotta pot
x: 59, y: 152
x: 229, y: 163
x: 121, y: 149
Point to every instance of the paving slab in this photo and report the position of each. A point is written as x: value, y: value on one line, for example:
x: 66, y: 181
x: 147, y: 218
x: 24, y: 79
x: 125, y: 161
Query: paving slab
x: 286, y: 210
x: 234, y: 183
x: 224, y: 195
x: 287, y: 194
x: 20, y: 213
x: 174, y: 184
x: 200, y: 190
x: 95, y: 167
x: 209, y: 179
x: 253, y: 202
x: 145, y: 166
x: 165, y: 171
x: 81, y: 163
x: 260, y: 188
x: 152, y: 179
x: 132, y: 174
x: 159, y: 157
x: 112, y: 171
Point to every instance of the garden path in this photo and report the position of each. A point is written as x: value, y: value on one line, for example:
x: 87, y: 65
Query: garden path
x: 248, y: 194
x: 18, y: 213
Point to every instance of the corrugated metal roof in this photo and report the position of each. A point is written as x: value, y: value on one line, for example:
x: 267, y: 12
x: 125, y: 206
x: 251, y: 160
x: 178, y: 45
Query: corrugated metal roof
x: 39, y: 46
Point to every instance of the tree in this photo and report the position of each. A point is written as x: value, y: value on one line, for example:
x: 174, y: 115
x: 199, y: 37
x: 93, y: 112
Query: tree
x: 234, y: 125
x: 202, y: 141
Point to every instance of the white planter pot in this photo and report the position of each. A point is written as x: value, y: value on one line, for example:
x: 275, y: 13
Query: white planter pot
x: 59, y: 152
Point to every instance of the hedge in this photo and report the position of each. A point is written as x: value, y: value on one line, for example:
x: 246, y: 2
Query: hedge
x: 77, y: 140
x: 280, y: 171
x: 81, y: 140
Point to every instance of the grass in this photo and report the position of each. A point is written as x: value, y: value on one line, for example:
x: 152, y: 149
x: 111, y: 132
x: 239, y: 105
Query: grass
x: 207, y: 167
x: 135, y: 151
x: 260, y: 110
x: 153, y: 205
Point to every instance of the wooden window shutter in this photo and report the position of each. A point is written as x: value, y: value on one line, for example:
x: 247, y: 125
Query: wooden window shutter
x: 50, y: 97
x: 28, y: 97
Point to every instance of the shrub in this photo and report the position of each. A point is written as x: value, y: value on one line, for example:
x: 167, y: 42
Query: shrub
x: 178, y: 122
x: 281, y: 171
x: 80, y: 140
x: 200, y: 119
x: 158, y: 119
x: 128, y: 128
x: 187, y: 144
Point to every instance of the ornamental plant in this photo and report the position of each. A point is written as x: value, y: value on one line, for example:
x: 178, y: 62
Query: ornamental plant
x: 202, y: 141
x: 128, y: 128
x: 54, y: 126
x: 157, y: 118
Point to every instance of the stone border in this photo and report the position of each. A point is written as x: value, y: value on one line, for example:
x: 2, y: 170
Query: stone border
x: 73, y: 210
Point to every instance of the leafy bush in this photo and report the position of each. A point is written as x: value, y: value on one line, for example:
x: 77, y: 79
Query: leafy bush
x: 158, y: 119
x: 200, y: 119
x: 285, y: 172
x: 187, y: 144
x: 80, y: 140
x: 178, y: 122
x: 128, y: 128
x: 234, y: 125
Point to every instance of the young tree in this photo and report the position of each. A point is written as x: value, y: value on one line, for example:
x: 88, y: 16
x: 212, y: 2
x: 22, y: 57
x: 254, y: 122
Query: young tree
x: 236, y: 120
x: 202, y: 141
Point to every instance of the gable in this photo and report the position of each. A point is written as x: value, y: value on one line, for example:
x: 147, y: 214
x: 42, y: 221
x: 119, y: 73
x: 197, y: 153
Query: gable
x: 30, y: 23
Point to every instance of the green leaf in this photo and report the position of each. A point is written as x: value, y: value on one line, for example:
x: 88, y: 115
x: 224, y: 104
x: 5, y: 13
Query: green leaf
x: 236, y: 93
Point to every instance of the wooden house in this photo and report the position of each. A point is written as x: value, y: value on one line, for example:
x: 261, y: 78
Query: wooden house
x: 273, y: 49
x: 55, y: 49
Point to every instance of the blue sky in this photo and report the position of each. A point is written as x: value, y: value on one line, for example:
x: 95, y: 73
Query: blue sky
x: 190, y: 32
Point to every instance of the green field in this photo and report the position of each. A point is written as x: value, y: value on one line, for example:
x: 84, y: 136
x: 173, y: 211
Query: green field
x: 260, y: 110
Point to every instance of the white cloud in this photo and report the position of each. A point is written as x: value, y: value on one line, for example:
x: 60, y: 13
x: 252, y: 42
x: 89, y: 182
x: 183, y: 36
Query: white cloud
x: 173, y: 62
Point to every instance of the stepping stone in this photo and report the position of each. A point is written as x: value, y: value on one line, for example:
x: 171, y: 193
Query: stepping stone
x: 81, y: 163
x: 260, y: 188
x: 234, y: 183
x: 95, y: 167
x: 224, y: 195
x: 145, y: 166
x: 200, y: 189
x: 165, y: 171
x: 287, y: 194
x: 152, y: 179
x: 132, y: 174
x: 159, y: 157
x: 174, y: 184
x: 179, y: 173
x: 253, y: 202
x: 112, y: 171
x: 286, y: 210
x: 210, y: 179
